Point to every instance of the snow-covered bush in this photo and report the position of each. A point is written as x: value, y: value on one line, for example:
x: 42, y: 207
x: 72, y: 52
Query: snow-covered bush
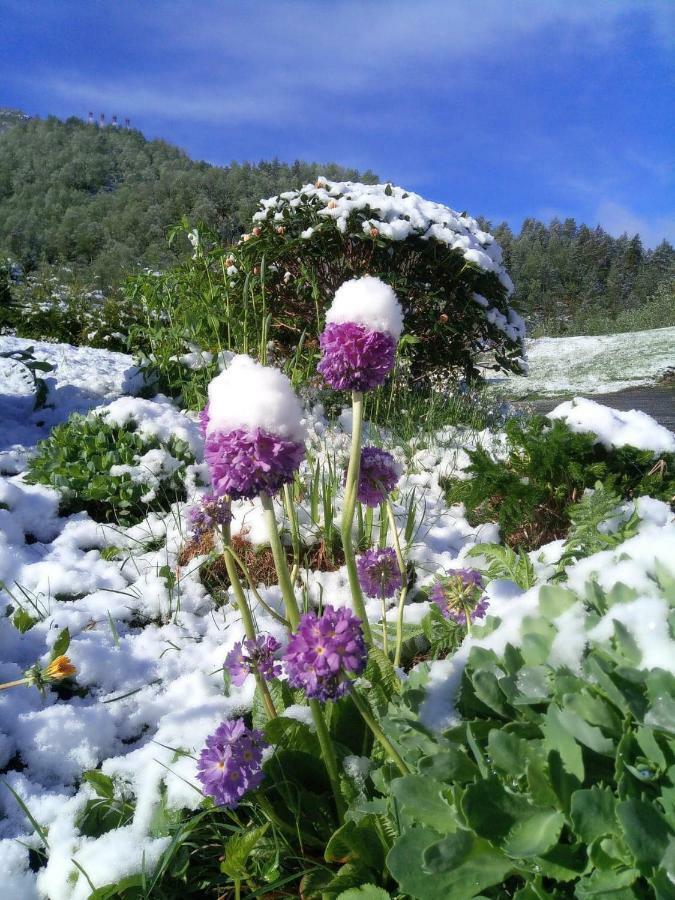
x: 447, y: 271
x: 550, y: 461
x: 119, y: 462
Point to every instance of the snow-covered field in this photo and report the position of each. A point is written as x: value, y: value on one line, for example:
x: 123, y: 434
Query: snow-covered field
x: 592, y: 365
x: 149, y: 652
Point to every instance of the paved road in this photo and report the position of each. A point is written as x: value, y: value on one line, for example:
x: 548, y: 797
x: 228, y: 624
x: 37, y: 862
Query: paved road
x: 657, y: 401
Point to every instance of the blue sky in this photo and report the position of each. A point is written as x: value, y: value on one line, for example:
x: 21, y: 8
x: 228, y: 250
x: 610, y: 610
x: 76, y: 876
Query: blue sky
x: 506, y: 108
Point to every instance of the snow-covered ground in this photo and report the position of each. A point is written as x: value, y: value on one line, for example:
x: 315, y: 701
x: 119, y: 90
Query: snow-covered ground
x: 591, y: 365
x: 150, y: 652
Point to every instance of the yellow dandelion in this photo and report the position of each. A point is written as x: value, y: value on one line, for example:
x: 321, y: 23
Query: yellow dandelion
x: 58, y: 668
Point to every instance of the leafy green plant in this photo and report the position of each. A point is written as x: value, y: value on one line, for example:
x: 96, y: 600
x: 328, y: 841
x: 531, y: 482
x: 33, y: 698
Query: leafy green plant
x: 546, y: 470
x: 77, y: 457
x: 554, y: 784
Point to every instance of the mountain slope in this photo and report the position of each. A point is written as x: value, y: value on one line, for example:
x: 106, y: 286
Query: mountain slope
x: 103, y: 198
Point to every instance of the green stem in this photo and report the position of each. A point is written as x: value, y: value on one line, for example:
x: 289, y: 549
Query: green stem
x: 292, y: 514
x: 385, y: 636
x: 351, y: 490
x: 328, y: 754
x: 404, y: 583
x: 280, y: 562
x: 379, y: 735
x: 246, y: 617
x: 254, y: 590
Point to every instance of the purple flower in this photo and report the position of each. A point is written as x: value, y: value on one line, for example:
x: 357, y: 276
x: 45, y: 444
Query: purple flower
x: 324, y: 651
x: 257, y: 658
x: 245, y: 463
x: 204, y: 420
x: 378, y: 475
x: 230, y: 763
x: 459, y: 596
x: 379, y: 573
x: 210, y: 512
x: 354, y: 357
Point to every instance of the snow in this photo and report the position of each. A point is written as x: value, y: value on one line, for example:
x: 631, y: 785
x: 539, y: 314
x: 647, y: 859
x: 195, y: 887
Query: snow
x: 149, y: 650
x: 248, y: 395
x: 613, y: 427
x: 369, y: 302
x: 591, y: 365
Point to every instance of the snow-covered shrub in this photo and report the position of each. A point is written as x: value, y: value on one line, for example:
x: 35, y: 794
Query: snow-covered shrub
x: 548, y: 466
x: 114, y: 464
x: 447, y: 272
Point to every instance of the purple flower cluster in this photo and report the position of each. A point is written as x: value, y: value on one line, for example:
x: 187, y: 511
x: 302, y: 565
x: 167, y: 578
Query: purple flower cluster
x: 354, y: 357
x: 324, y: 651
x: 230, y: 763
x: 253, y: 657
x: 379, y: 573
x: 459, y: 596
x: 378, y: 476
x: 212, y: 511
x: 204, y: 421
x: 245, y: 463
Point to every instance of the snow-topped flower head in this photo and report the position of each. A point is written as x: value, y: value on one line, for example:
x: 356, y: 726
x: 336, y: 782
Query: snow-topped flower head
x: 324, y: 651
x: 459, y: 596
x: 378, y: 475
x: 379, y: 572
x: 255, y: 433
x: 230, y: 763
x: 358, y: 343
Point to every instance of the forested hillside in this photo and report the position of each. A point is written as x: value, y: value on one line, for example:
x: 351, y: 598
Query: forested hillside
x: 102, y: 199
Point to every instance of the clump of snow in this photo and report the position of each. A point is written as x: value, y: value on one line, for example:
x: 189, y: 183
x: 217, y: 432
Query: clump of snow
x: 591, y: 365
x: 369, y: 302
x: 615, y: 428
x: 249, y: 395
x: 157, y: 418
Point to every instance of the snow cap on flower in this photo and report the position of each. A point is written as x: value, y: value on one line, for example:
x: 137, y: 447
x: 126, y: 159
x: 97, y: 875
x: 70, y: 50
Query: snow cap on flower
x: 255, y: 433
x: 370, y: 302
x: 248, y: 396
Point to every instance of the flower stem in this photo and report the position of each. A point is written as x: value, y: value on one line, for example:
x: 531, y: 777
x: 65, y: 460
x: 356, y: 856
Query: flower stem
x: 280, y: 563
x: 385, y: 636
x: 293, y: 615
x: 379, y: 735
x: 246, y: 617
x: 351, y: 491
x: 254, y: 590
x: 9, y: 684
x: 404, y: 582
x: 292, y: 514
x: 328, y: 754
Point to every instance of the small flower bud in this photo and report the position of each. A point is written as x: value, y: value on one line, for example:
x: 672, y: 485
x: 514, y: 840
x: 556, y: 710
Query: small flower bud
x: 257, y: 231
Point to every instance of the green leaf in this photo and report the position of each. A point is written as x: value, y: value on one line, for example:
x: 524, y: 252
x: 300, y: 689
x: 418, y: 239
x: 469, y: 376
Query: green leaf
x: 61, y: 643
x: 483, y: 868
x: 491, y: 810
x: 238, y: 849
x: 420, y: 799
x: 365, y: 892
x: 358, y: 843
x: 534, y: 835
x: 593, y: 813
x: 448, y: 853
x: 449, y: 765
x: 558, y: 739
x: 102, y: 784
x: 507, y: 752
x: 23, y: 621
x: 645, y: 831
x: 554, y: 600
x: 611, y: 885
